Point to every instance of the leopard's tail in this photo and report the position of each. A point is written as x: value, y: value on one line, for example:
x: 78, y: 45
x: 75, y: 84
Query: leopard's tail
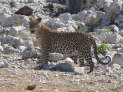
x: 101, y: 61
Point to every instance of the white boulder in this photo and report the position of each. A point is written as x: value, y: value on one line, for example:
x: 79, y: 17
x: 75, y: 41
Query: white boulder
x: 29, y: 53
x: 16, y: 20
x: 85, y: 16
x: 115, y: 29
x: 109, y: 34
x: 116, y: 67
x: 118, y: 58
x: 55, y: 23
x: 65, y: 17
x: 110, y: 5
x: 12, y: 41
x: 65, y: 67
x: 3, y: 17
x: 116, y: 6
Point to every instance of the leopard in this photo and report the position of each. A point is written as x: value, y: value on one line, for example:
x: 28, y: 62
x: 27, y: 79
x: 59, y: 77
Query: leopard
x: 71, y: 44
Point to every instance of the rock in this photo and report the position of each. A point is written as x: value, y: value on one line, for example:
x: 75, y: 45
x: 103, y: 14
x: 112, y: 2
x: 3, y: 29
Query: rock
x: 108, y: 37
x: 80, y: 70
x: 115, y: 28
x: 116, y: 66
x: 121, y: 39
x: 116, y: 6
x: 1, y: 47
x: 55, y: 9
x: 121, y: 32
x: 12, y: 4
x: 26, y: 10
x: 64, y: 67
x: 31, y: 87
x: 9, y: 49
x: 3, y: 17
x: 85, y: 16
x: 112, y: 9
x: 8, y: 31
x: 90, y: 18
x: 21, y: 48
x: 79, y: 5
x: 56, y: 56
x: 11, y: 41
x: 118, y: 57
x: 16, y: 20
x: 104, y: 4
x: 119, y: 20
x: 65, y: 17
x: 81, y: 27
x: 108, y: 34
x: 55, y: 23
x: 29, y: 53
x: 28, y: 39
x: 61, y: 24
x: 21, y: 1
x: 3, y: 65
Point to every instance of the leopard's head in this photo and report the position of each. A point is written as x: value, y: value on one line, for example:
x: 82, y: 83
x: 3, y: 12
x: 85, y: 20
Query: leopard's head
x: 34, y: 24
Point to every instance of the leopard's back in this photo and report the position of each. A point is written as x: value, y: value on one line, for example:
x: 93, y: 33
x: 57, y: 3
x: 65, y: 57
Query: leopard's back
x: 66, y: 43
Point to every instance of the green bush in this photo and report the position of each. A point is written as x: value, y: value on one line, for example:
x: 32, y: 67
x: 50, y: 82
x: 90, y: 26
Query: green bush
x: 103, y: 49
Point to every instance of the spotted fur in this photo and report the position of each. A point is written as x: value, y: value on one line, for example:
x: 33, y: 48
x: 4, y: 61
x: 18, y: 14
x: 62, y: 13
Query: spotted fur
x: 71, y: 44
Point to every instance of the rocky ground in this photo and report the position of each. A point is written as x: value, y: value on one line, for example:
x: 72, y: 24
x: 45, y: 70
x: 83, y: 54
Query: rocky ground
x: 20, y: 80
x: 22, y: 76
x: 18, y: 49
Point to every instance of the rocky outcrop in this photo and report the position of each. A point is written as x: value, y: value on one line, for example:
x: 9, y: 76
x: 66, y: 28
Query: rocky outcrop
x: 16, y: 38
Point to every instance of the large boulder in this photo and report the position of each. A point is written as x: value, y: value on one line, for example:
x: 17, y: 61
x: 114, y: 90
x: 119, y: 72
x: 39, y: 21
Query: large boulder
x: 3, y: 16
x: 118, y: 57
x: 108, y: 34
x: 65, y: 17
x: 16, y: 20
x: 111, y: 7
x: 85, y: 16
x: 26, y: 10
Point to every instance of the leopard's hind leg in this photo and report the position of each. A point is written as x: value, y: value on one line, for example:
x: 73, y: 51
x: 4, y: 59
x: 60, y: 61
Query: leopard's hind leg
x: 81, y: 61
x: 88, y: 58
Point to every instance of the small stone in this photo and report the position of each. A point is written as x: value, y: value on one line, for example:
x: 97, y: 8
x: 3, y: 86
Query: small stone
x: 31, y: 87
x: 116, y: 66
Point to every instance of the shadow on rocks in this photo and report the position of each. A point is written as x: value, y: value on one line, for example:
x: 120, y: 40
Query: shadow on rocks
x: 62, y: 67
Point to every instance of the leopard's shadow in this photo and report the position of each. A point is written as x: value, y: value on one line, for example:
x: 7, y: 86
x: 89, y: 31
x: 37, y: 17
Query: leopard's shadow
x: 62, y: 67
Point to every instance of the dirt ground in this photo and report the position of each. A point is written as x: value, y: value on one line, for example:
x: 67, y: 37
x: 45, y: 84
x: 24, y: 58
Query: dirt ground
x: 27, y: 80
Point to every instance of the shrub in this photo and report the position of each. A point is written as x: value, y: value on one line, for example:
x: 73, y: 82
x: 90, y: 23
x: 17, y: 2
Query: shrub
x: 103, y: 49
